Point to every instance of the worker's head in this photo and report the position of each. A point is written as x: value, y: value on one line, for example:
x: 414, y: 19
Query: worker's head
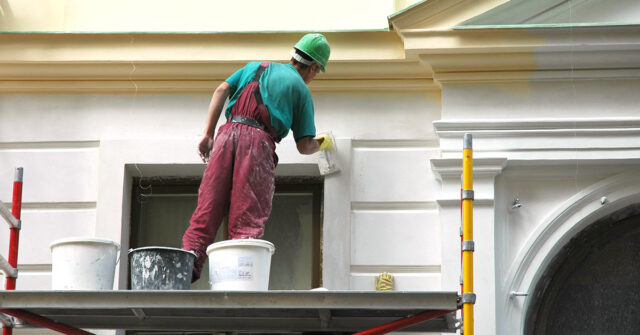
x: 310, y: 55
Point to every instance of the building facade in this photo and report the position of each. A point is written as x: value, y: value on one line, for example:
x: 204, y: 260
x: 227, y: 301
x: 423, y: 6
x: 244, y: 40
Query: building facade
x: 100, y: 101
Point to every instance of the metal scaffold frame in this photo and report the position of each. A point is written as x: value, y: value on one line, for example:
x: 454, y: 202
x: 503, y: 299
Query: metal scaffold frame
x: 10, y: 267
x: 268, y: 311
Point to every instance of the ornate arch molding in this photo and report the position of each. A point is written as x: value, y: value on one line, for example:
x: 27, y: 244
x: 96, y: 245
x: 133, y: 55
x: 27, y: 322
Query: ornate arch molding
x: 578, y: 212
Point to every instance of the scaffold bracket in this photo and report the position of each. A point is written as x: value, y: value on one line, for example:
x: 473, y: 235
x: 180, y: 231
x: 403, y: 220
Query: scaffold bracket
x: 9, y: 217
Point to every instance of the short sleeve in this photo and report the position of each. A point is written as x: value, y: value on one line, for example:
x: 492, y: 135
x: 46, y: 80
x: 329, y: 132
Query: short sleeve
x: 303, y: 118
x: 234, y: 80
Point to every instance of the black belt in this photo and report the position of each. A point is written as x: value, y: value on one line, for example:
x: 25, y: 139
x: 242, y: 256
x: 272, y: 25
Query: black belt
x: 247, y: 120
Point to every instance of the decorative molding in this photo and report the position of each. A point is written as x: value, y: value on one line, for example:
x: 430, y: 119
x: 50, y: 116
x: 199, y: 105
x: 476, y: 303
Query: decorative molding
x: 581, y: 210
x: 189, y: 70
x: 349, y: 85
x: 544, y: 141
x: 53, y: 145
x: 486, y: 202
x: 368, y: 61
x: 394, y: 144
x: 536, y: 76
x: 201, y: 86
x: 190, y: 47
x: 357, y: 206
x: 32, y: 269
x: 446, y: 168
x: 501, y: 127
x: 64, y: 206
x: 375, y: 269
x: 519, y: 50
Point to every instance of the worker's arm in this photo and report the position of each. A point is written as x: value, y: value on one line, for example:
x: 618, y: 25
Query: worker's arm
x: 307, y: 145
x: 215, y: 109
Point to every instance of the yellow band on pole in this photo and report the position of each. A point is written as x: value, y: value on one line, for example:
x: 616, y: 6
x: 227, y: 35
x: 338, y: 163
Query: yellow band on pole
x: 467, y: 232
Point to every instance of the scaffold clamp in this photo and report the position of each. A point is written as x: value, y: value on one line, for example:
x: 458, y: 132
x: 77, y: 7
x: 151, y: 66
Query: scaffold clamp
x: 468, y: 246
x: 468, y: 298
x: 467, y: 194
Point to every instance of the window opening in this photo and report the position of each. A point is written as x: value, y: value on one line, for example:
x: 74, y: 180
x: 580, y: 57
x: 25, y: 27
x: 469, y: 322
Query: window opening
x: 160, y: 214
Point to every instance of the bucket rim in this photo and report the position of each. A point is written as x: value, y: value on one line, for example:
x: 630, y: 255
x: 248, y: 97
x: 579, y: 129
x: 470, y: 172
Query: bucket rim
x: 242, y: 242
x: 81, y: 239
x: 161, y: 248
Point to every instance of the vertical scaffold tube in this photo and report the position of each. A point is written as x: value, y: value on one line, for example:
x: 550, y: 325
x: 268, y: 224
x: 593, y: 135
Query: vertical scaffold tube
x: 14, y: 235
x: 468, y: 297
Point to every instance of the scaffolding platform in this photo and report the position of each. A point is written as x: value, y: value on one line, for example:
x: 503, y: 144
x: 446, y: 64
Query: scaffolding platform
x: 262, y: 312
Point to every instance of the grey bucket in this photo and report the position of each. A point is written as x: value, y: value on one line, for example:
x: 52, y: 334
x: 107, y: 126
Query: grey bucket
x: 160, y: 268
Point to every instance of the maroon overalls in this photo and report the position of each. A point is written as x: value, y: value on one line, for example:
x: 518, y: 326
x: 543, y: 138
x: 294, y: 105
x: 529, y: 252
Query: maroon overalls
x: 239, y: 180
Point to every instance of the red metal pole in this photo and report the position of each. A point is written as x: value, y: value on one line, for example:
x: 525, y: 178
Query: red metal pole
x: 403, y: 323
x: 16, y: 208
x: 14, y: 237
x: 43, y: 322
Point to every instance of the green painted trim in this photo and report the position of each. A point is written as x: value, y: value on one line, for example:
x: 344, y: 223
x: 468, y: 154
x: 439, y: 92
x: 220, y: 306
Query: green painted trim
x: 548, y: 25
x: 400, y: 12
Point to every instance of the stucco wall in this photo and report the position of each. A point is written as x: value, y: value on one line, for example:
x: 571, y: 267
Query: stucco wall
x: 553, y: 112
x: 199, y: 15
x: 70, y: 146
x: 556, y: 145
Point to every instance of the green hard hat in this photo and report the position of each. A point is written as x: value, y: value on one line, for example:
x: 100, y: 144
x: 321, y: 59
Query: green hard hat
x: 316, y: 46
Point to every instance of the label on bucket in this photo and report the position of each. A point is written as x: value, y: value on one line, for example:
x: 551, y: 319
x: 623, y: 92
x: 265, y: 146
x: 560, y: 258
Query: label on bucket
x: 241, y: 270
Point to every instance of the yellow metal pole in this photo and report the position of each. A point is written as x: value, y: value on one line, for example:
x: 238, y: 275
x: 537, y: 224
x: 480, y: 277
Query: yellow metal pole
x: 468, y: 297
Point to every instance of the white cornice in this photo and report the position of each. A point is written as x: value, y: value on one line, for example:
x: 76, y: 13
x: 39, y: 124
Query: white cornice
x: 449, y: 128
x: 537, y: 75
x: 200, y: 86
x: 536, y: 52
x: 446, y: 168
x: 189, y: 47
x: 544, y: 140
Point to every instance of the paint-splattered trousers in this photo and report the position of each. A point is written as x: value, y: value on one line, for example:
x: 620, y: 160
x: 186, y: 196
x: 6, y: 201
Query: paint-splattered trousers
x: 239, y: 181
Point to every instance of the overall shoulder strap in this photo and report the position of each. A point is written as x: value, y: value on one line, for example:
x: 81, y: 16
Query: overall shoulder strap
x: 261, y: 69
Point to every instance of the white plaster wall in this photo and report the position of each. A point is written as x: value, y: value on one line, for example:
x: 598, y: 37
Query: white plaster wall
x: 395, y: 226
x: 542, y: 191
x: 78, y: 152
x: 200, y: 15
x: 557, y: 138
x: 541, y: 99
x: 377, y: 116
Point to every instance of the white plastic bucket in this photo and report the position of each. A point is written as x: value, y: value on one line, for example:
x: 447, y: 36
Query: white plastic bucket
x: 240, y: 265
x: 83, y: 263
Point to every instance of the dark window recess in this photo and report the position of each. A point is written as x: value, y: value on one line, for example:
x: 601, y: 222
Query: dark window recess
x: 161, y: 208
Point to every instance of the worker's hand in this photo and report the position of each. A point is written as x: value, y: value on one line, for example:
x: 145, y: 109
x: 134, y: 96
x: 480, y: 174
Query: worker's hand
x: 204, y: 148
x: 325, y: 141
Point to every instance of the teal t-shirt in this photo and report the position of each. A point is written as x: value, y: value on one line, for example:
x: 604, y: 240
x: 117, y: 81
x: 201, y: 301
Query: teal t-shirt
x: 283, y: 92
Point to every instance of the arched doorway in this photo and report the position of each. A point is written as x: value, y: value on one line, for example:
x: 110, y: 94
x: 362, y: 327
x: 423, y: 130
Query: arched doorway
x: 592, y: 286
